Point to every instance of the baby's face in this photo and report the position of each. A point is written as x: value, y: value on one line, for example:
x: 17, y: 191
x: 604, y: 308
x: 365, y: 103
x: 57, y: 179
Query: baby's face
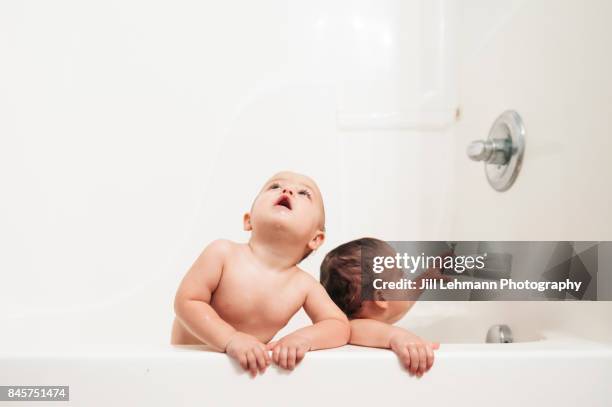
x: 289, y: 200
x: 397, y: 307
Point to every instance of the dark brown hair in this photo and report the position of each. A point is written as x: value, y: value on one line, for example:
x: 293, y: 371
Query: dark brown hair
x: 341, y: 273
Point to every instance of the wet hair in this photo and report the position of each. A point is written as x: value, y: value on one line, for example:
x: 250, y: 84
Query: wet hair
x: 341, y: 273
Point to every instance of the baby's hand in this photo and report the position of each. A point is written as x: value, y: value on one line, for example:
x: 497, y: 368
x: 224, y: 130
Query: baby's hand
x: 249, y: 352
x: 415, y: 354
x: 289, y: 351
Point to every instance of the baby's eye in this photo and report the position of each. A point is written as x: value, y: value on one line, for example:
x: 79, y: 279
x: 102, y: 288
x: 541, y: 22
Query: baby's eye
x: 275, y: 185
x: 305, y: 192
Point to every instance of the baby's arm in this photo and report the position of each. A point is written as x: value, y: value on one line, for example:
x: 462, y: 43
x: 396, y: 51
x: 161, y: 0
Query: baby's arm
x: 192, y: 308
x: 330, y: 329
x: 415, y: 354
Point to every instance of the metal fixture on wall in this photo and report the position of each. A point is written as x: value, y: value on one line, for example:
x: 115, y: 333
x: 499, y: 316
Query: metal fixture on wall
x: 499, y: 334
x: 502, y: 152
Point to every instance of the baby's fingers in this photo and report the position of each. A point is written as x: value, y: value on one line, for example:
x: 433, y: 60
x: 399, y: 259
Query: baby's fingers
x: 291, y: 356
x: 244, y: 363
x: 276, y: 355
x: 414, y: 358
x: 271, y: 345
x: 404, y: 356
x: 430, y: 356
x: 283, y: 358
x: 261, y: 359
x: 299, y: 355
x: 266, y: 354
x: 422, y: 360
x: 252, y: 363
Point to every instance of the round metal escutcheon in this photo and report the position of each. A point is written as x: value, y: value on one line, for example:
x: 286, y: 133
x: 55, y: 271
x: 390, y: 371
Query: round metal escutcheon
x: 509, y: 130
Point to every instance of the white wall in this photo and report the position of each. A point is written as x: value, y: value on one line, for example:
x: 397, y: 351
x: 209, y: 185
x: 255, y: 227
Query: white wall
x: 550, y: 61
x: 133, y: 133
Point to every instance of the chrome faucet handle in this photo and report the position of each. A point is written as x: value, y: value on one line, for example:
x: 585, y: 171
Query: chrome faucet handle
x: 489, y: 151
x: 479, y: 150
x: 502, y: 152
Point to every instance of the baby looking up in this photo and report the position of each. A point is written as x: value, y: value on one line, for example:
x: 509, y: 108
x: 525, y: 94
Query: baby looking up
x: 341, y: 275
x: 236, y: 297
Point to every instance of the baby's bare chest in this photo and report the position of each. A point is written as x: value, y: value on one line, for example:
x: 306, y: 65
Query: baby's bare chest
x: 252, y: 296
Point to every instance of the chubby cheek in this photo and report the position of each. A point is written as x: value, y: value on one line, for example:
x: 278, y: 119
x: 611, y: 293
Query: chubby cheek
x: 304, y: 225
x: 258, y: 213
x: 267, y: 199
x: 263, y: 202
x: 303, y: 216
x: 311, y: 214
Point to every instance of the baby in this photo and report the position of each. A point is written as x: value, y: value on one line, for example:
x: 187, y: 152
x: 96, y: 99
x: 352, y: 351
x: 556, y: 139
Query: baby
x: 371, y: 321
x: 236, y: 297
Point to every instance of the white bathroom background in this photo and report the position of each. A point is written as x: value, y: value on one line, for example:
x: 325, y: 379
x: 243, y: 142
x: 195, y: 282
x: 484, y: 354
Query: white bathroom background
x: 133, y: 133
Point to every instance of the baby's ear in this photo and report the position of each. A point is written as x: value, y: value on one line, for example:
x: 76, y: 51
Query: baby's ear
x: 317, y: 240
x: 246, y: 222
x: 379, y: 302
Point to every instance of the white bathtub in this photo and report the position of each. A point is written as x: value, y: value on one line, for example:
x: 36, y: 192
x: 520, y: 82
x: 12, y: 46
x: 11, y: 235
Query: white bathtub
x: 562, y: 357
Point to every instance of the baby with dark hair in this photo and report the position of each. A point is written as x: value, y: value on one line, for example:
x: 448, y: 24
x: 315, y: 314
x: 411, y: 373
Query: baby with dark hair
x: 372, y: 313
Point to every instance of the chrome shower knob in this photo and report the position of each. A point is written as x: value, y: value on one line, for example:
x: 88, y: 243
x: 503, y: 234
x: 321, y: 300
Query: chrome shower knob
x: 502, y: 152
x: 489, y: 151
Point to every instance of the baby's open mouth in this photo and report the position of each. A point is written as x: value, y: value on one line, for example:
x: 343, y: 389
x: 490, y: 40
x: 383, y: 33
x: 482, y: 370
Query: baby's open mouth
x: 284, y: 201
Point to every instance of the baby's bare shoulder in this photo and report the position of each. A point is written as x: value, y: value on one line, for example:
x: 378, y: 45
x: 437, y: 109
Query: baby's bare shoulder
x: 305, y: 279
x: 222, y: 247
x: 205, y: 273
x: 215, y: 254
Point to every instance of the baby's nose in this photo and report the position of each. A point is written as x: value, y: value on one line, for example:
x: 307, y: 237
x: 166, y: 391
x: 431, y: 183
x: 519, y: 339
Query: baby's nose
x: 287, y: 191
